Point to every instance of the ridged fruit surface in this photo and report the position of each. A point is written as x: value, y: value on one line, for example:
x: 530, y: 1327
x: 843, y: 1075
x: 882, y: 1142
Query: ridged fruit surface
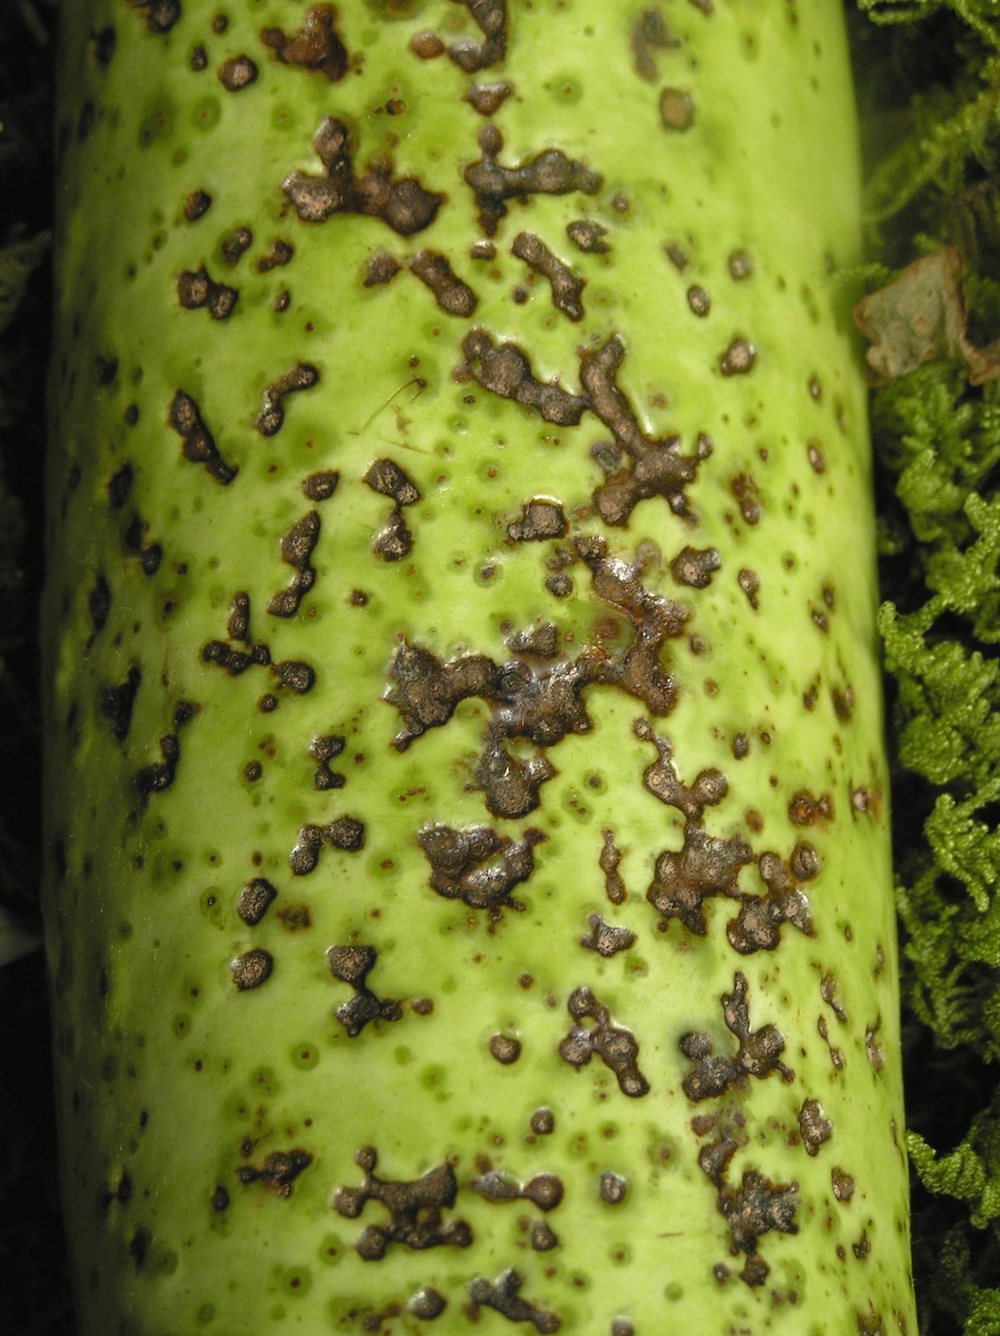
x: 469, y: 891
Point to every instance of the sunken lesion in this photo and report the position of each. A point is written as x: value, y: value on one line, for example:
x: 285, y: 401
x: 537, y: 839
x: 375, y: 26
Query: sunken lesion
x: 478, y: 865
x: 352, y: 965
x: 617, y: 1047
x: 404, y: 205
x: 503, y: 1296
x: 317, y: 46
x: 302, y: 376
x: 758, y: 1053
x: 550, y: 172
x: 540, y: 704
x: 415, y: 1209
x: 566, y: 288
x: 197, y: 291
x: 296, y: 548
x: 197, y: 442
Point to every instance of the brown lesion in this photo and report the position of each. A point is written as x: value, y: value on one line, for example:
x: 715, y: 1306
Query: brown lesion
x: 540, y: 704
x: 196, y: 204
x: 277, y: 257
x: 695, y: 567
x: 251, y: 969
x: 758, y: 1053
x: 352, y: 965
x: 617, y: 1047
x: 237, y: 72
x: 254, y: 900
x: 403, y: 205
x: 453, y: 295
x: 414, y: 1208
x: 199, y: 446
x: 278, y: 1172
x: 468, y: 54
x: 805, y: 809
x: 395, y: 540
x: 539, y: 520
x: 160, y: 776
x: 296, y: 548
x: 235, y: 659
x: 116, y: 703
x: 478, y: 865
x: 133, y: 540
x: 609, y: 861
x: 316, y: 46
x: 505, y: 370
x: 380, y: 268
x: 814, y: 1128
x: 588, y: 236
x: 159, y: 16
x: 235, y: 246
x: 549, y: 173
x: 269, y: 420
x: 607, y: 939
x: 544, y: 1190
x: 649, y: 34
x: 344, y: 832
x: 488, y: 98
x: 566, y: 288
x: 746, y: 493
x: 503, y: 1296
x: 323, y: 750
x: 758, y: 925
x: 196, y: 291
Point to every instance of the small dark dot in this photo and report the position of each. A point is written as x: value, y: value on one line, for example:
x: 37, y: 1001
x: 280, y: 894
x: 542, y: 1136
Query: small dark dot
x: 252, y: 771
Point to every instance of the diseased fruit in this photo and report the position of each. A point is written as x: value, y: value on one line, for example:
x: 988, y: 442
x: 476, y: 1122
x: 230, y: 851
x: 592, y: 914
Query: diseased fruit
x: 457, y: 411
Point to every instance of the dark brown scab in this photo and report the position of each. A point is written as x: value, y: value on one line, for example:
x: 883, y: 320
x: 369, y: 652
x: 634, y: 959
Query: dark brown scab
x: 196, y: 205
x: 403, y: 205
x: 395, y: 540
x: 740, y: 265
x: 544, y: 1190
x: 806, y: 810
x: 559, y: 585
x: 505, y: 1049
x: 746, y: 493
x: 116, y: 703
x: 491, y: 16
x: 650, y: 33
x: 280, y: 254
x: 487, y: 98
x: 588, y: 236
x: 316, y: 46
x: 504, y: 370
x: 758, y: 925
x: 296, y: 549
x: 543, y: 1122
x: 609, y: 860
x: 323, y: 750
x: 621, y: 1326
x: 198, y: 60
x: 320, y: 486
x: 862, y: 1248
x: 656, y: 468
x: 159, y: 776
x: 615, y: 1046
x: 695, y: 567
x: 817, y: 460
x: 131, y: 415
x: 453, y: 296
x: 219, y: 24
x: 345, y: 833
x: 150, y: 555
x: 303, y: 376
x: 278, y: 1172
x: 842, y: 1184
x: 749, y: 582
x: 676, y: 109
x: 254, y: 899
x: 478, y: 866
x: 102, y: 45
x: 236, y: 73
x: 607, y: 939
x: 758, y: 1054
x: 352, y: 965
x: 426, y: 45
x: 252, y: 771
x: 873, y: 1049
x: 566, y: 289
x: 740, y: 746
x: 814, y: 1128
x: 543, y: 1239
x: 198, y: 445
x: 105, y: 370
x: 612, y: 1187
x: 426, y: 1304
x: 159, y: 16
x: 699, y: 300
x: 267, y: 703
x: 251, y: 969
x: 219, y: 1200
x: 541, y: 642
x: 197, y: 290
x: 234, y: 247
x: 482, y: 250
x: 677, y: 257
x: 739, y: 359
x: 380, y: 268
x: 504, y: 1298
x: 388, y: 479
x: 540, y: 520
x: 414, y: 1209
x: 549, y: 173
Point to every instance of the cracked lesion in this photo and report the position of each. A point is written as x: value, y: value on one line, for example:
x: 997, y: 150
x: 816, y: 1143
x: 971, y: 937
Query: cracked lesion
x: 316, y: 46
x: 278, y: 1172
x: 403, y: 205
x: 757, y: 927
x: 695, y: 567
x: 197, y: 290
x: 539, y: 520
x: 588, y: 236
x: 548, y: 173
x: 617, y: 1047
x: 198, y: 443
x: 345, y: 832
x: 504, y: 370
x: 656, y: 467
x: 271, y: 416
x: 607, y: 939
x: 452, y: 294
x: 296, y: 549
x: 414, y: 1209
x: 395, y: 540
x: 478, y: 866
x: 759, y: 1052
x: 814, y: 1128
x: 566, y: 289
x: 352, y: 965
x: 503, y: 1296
x: 542, y: 704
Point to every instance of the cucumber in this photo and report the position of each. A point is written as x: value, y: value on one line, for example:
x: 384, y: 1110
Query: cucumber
x: 469, y: 895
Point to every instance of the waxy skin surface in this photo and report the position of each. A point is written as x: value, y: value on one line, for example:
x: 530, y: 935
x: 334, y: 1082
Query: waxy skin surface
x: 469, y: 897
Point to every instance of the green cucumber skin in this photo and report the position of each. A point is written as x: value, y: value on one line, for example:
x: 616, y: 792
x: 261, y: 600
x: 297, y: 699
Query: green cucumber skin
x: 165, y: 1068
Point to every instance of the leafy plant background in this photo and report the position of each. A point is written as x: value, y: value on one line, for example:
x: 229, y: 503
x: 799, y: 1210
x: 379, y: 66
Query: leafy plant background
x: 928, y: 77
